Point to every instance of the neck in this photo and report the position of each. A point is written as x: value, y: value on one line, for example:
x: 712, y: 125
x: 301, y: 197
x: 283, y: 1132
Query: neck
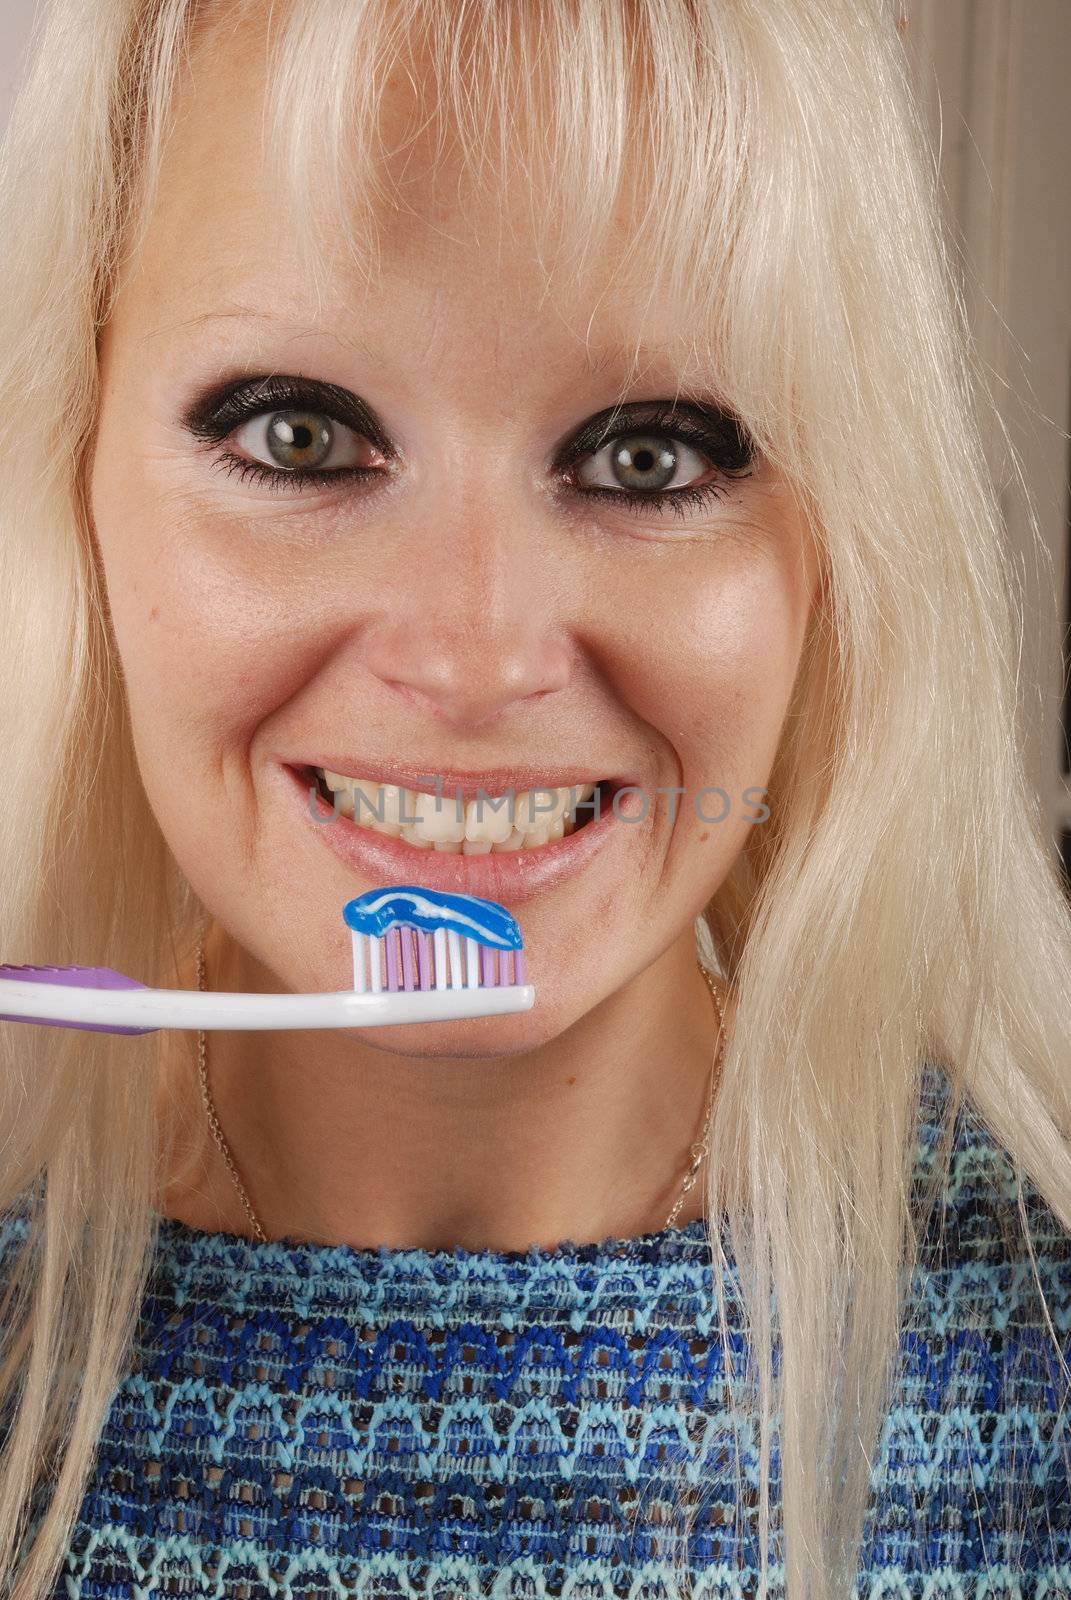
x: 586, y: 1137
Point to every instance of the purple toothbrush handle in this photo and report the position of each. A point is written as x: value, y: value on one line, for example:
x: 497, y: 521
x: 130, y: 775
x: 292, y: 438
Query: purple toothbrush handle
x: 79, y: 978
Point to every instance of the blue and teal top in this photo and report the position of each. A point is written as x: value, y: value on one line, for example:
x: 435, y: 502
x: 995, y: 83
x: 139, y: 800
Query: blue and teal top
x: 305, y: 1420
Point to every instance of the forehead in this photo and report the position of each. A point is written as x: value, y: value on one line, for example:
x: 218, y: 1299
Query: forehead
x: 452, y: 249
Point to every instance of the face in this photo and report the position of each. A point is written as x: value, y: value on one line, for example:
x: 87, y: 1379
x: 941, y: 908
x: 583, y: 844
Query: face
x: 481, y: 583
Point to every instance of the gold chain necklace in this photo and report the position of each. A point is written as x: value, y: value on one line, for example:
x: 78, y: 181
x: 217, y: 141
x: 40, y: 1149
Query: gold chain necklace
x: 697, y: 1151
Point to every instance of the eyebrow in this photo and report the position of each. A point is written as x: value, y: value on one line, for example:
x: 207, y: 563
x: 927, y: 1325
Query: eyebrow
x: 617, y: 354
x: 614, y: 354
x: 247, y: 314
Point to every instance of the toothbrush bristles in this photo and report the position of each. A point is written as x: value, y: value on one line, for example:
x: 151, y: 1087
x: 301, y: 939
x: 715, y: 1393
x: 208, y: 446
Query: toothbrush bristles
x: 407, y: 958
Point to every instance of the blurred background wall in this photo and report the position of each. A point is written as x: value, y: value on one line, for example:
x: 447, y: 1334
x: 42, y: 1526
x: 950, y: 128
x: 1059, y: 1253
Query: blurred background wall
x: 995, y: 79
x: 16, y: 19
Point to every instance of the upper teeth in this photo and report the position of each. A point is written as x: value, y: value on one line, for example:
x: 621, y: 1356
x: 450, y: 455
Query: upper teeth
x: 490, y: 822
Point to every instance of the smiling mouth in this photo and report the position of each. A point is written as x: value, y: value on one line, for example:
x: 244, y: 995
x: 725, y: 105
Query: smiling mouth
x: 490, y: 824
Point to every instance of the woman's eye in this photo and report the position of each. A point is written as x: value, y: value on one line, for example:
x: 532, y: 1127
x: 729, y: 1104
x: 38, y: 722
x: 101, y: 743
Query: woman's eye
x: 303, y: 441
x: 643, y: 462
x: 292, y: 432
x: 673, y: 456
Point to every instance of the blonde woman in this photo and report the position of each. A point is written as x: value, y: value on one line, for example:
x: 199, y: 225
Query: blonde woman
x: 558, y: 395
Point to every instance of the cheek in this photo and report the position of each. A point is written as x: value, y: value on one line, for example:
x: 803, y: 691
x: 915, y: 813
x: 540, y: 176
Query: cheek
x: 740, y: 684
x: 710, y: 659
x: 211, y: 638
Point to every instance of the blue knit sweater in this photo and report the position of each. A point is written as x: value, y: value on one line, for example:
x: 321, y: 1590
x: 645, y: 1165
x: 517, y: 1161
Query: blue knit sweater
x: 302, y: 1420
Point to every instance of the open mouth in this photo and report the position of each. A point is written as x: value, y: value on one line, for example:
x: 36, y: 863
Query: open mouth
x: 489, y: 824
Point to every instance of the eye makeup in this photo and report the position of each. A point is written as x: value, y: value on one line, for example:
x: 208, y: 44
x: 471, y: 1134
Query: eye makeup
x: 218, y: 410
x: 707, y: 427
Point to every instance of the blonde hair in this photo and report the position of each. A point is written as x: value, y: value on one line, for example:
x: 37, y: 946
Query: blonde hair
x: 903, y: 900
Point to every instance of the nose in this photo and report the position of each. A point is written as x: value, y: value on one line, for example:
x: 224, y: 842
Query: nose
x: 464, y: 633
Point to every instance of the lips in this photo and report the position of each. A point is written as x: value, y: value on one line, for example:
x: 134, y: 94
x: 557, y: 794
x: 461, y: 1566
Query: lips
x: 507, y: 878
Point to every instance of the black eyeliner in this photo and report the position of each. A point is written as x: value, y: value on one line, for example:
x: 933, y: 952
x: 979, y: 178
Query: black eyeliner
x: 710, y: 426
x: 217, y: 411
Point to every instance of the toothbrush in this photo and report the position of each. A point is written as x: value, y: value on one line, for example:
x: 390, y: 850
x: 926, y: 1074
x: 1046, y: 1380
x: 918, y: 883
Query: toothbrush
x: 419, y: 955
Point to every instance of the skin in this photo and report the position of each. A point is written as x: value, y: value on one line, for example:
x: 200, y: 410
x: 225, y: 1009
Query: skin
x: 471, y: 613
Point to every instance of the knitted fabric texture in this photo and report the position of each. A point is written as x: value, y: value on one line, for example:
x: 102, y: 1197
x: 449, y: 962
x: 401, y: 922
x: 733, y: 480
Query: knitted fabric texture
x: 305, y: 1420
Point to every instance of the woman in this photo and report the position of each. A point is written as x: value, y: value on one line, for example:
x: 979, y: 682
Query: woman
x: 526, y: 396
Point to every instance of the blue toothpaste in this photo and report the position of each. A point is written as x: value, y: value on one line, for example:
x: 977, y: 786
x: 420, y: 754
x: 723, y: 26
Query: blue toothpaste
x: 379, y: 910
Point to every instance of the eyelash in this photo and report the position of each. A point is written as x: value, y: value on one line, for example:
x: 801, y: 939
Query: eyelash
x: 729, y: 449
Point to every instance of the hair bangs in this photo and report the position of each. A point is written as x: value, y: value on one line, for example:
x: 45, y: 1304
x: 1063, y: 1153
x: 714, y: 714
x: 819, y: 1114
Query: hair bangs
x: 621, y: 135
